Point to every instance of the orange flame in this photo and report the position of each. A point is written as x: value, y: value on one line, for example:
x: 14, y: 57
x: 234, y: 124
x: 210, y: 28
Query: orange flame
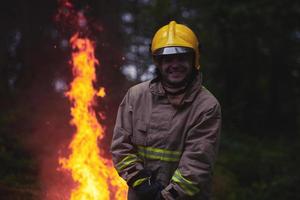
x: 95, y: 175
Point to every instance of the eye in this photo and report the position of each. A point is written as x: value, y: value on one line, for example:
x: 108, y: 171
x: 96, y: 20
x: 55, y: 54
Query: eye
x: 188, y: 57
x: 182, y: 57
x: 167, y: 59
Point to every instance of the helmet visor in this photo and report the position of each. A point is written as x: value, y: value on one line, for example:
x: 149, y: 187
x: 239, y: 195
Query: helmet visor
x: 172, y: 50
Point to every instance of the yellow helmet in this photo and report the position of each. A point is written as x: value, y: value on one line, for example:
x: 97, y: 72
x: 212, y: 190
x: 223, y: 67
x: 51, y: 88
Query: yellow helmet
x: 175, y: 39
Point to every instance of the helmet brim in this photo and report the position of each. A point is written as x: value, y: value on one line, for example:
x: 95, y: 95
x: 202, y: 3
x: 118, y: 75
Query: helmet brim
x: 172, y: 50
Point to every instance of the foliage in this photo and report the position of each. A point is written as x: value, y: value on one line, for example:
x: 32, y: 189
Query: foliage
x: 254, y: 168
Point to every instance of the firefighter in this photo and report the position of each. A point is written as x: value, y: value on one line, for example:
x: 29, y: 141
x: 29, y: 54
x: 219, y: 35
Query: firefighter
x: 167, y: 130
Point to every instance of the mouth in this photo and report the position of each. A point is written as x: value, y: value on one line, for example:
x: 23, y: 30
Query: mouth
x: 177, y: 73
x: 176, y: 70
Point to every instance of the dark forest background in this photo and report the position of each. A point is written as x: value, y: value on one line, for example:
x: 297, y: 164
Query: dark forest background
x: 250, y: 61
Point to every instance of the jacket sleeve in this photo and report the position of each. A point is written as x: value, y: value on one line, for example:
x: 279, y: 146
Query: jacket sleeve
x: 124, y: 153
x: 195, y: 166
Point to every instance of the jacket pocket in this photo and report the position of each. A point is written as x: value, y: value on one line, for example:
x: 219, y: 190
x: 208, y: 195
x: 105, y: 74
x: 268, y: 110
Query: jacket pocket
x: 139, y: 132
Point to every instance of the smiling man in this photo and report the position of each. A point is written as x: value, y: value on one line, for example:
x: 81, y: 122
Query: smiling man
x: 167, y: 130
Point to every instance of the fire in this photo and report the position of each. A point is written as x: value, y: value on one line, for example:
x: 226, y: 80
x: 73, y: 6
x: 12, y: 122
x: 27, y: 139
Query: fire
x: 94, y: 175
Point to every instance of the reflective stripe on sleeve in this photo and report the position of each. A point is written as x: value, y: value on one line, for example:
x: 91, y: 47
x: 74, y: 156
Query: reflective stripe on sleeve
x: 188, y: 186
x: 159, y: 154
x: 127, y: 161
x: 140, y: 181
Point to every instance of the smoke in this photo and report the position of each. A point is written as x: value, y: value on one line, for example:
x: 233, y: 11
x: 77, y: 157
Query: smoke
x: 51, y: 132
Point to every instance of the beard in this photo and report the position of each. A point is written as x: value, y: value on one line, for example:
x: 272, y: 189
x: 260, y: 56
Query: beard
x: 164, y: 77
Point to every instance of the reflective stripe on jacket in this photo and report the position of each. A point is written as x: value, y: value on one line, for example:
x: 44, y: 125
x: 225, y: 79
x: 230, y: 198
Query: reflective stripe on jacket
x: 179, y: 143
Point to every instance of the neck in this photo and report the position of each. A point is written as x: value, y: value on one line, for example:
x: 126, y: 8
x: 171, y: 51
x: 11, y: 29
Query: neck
x: 174, y: 90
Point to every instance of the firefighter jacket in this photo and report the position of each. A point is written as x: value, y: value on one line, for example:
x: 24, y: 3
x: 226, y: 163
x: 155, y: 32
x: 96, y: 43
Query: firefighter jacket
x: 179, y: 143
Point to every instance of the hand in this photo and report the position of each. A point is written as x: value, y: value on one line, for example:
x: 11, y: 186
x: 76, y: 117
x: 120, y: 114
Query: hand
x: 146, y: 186
x: 150, y: 190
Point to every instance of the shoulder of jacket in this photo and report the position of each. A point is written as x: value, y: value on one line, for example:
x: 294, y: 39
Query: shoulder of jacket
x: 209, y: 99
x: 139, y: 89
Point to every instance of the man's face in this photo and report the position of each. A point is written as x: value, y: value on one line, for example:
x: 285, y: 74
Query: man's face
x: 176, y: 69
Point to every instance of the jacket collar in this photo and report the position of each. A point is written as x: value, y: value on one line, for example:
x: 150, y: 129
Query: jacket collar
x: 156, y: 88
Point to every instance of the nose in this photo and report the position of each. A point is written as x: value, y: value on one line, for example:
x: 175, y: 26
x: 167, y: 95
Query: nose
x: 174, y: 61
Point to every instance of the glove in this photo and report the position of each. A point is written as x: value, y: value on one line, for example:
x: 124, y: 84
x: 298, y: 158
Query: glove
x: 149, y: 191
x: 145, y: 185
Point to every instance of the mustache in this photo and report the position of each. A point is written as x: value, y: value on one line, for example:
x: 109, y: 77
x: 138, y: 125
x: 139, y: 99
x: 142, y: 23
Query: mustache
x: 178, y: 68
